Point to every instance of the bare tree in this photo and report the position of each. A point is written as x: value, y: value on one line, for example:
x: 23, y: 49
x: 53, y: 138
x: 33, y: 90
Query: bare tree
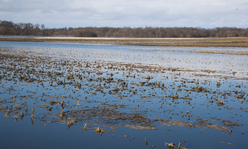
x: 10, y: 28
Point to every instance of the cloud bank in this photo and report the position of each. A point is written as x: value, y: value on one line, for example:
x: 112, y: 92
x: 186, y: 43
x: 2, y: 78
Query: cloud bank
x: 128, y: 13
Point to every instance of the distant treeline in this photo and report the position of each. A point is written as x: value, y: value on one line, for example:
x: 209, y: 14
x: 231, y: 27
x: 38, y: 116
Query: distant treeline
x: 10, y: 28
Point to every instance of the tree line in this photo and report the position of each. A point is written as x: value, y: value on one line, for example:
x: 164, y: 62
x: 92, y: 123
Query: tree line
x: 29, y: 29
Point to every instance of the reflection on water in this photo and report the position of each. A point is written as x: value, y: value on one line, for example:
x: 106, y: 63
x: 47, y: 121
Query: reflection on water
x: 103, y: 96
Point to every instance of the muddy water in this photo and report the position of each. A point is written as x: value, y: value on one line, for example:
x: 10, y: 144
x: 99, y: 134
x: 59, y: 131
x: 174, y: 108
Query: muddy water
x: 72, y: 95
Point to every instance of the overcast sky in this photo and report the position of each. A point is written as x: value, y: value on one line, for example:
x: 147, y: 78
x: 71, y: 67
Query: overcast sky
x: 127, y: 13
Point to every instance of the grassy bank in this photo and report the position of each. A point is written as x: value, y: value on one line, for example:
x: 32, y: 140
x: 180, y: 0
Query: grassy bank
x: 173, y: 42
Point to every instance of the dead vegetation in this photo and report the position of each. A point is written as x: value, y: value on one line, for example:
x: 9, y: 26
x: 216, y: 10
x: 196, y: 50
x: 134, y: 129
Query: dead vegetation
x: 171, y: 42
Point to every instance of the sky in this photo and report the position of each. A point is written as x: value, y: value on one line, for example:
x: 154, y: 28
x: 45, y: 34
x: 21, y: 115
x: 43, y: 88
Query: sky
x: 127, y: 13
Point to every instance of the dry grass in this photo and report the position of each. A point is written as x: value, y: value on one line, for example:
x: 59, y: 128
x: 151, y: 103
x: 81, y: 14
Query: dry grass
x: 173, y: 42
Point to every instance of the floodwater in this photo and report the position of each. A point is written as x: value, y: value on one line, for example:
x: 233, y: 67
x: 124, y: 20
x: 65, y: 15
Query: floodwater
x: 79, y: 95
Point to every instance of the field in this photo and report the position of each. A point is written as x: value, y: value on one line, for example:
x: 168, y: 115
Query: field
x: 173, y: 42
x: 123, y: 93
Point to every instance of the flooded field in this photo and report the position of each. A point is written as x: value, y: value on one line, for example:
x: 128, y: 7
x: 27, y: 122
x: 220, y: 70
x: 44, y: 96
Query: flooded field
x: 156, y: 42
x: 80, y: 95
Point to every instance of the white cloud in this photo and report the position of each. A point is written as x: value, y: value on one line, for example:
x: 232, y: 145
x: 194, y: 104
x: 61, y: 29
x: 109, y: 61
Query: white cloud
x: 117, y: 13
